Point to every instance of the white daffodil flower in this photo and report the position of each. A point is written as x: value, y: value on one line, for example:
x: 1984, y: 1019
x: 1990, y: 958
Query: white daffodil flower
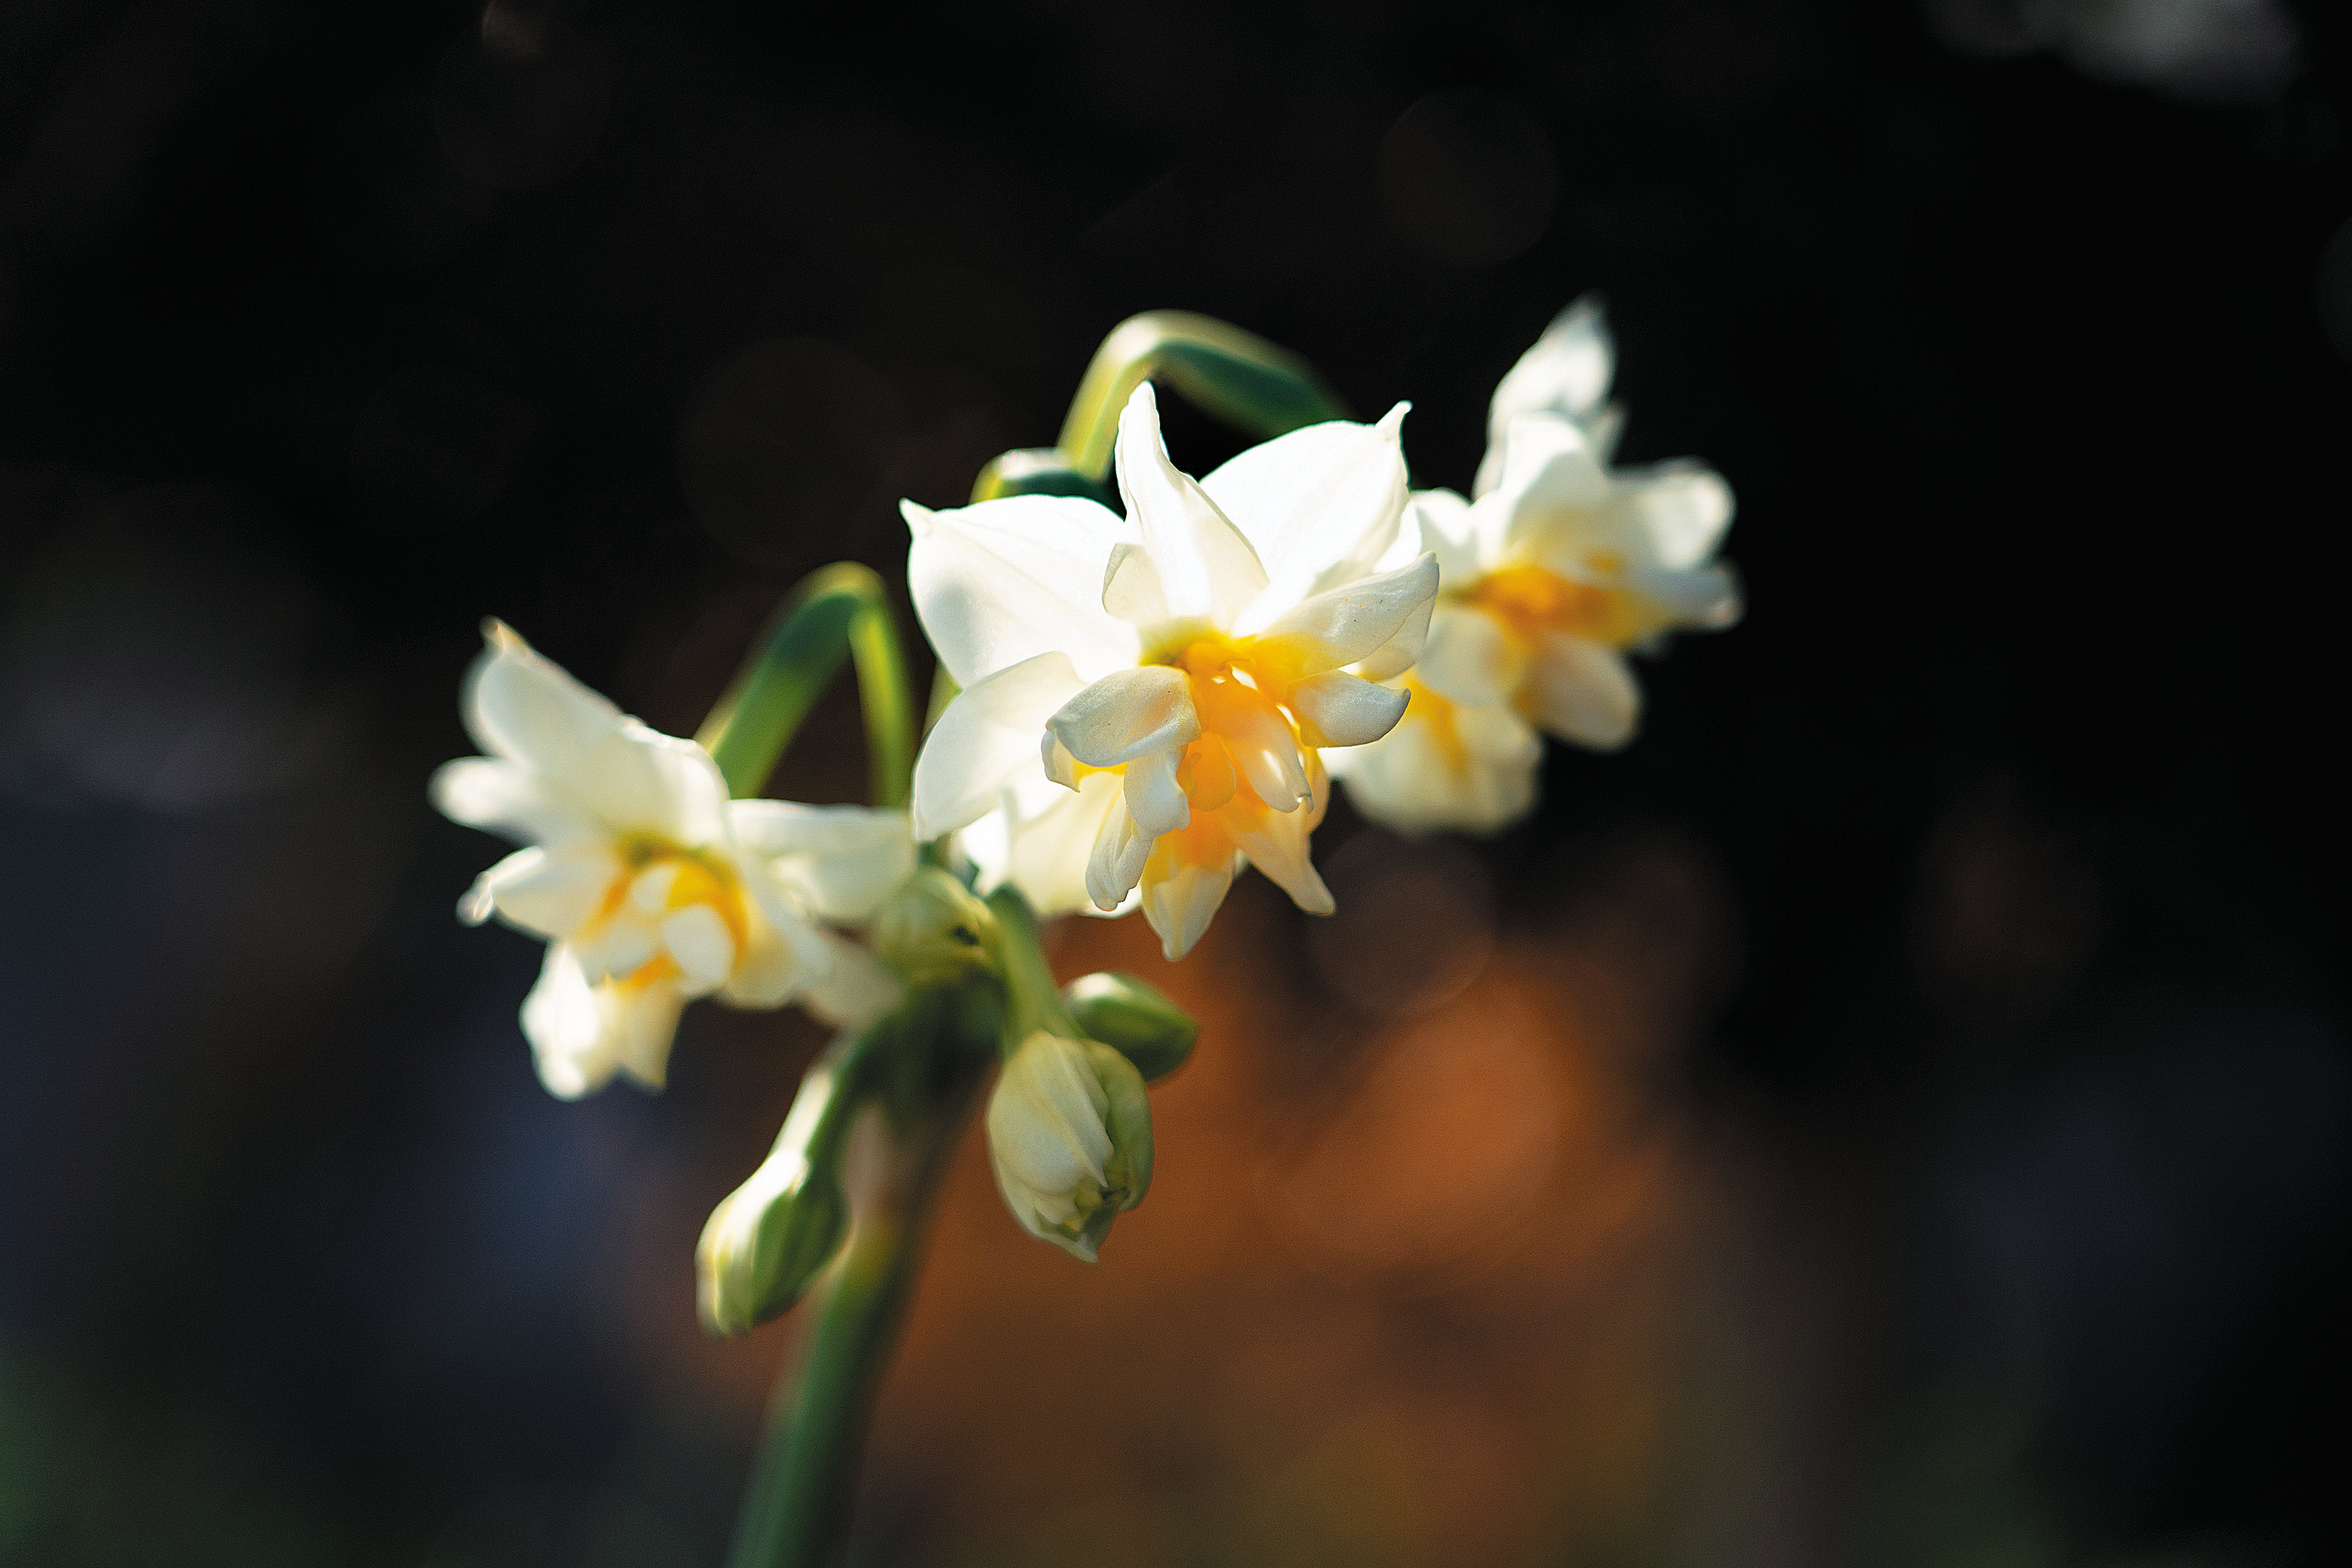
x: 1560, y: 567
x: 1069, y: 1132
x: 1144, y: 696
x: 649, y: 885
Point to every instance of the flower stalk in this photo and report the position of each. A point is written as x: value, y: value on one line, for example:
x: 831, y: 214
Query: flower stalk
x: 797, y: 1508
x: 1238, y: 377
x: 841, y: 611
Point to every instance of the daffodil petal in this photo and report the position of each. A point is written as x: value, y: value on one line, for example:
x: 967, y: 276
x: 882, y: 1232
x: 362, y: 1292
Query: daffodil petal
x: 509, y: 799
x: 1345, y: 709
x: 986, y: 736
x: 1681, y: 509
x: 1115, y: 862
x: 1566, y: 372
x: 1153, y: 798
x: 550, y: 893
x: 1180, y: 904
x: 783, y: 951
x: 1207, y: 568
x: 1470, y: 658
x: 1320, y: 505
x: 1127, y: 715
x: 843, y: 861
x: 1584, y: 692
x: 1344, y: 624
x: 697, y: 939
x: 1277, y: 845
x: 1006, y: 580
x: 521, y: 705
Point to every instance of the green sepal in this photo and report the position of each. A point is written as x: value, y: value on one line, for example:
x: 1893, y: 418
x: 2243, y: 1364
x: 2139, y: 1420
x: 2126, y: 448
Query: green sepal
x: 1135, y: 1019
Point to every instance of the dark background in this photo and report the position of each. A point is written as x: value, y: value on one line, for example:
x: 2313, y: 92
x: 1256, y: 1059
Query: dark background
x: 2021, y: 330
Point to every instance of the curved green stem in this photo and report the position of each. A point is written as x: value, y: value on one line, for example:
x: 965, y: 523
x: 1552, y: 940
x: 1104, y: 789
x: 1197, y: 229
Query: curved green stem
x: 837, y: 611
x: 798, y: 1506
x: 1236, y: 376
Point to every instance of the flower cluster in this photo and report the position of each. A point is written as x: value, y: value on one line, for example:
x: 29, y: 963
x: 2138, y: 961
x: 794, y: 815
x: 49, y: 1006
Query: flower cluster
x: 1559, y: 567
x: 1148, y: 699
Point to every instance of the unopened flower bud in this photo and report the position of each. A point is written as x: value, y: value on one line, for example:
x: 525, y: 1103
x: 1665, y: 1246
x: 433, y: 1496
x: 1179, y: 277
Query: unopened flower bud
x: 1134, y: 1020
x: 1069, y: 1130
x: 933, y: 931
x: 767, y: 1240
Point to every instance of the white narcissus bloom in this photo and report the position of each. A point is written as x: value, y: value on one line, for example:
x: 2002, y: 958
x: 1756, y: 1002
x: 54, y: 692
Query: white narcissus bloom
x: 1559, y: 567
x: 650, y: 886
x: 1143, y: 696
x: 1069, y: 1132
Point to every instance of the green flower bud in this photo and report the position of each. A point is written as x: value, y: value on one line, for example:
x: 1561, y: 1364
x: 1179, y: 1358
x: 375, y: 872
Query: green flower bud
x: 1069, y: 1130
x: 934, y: 932
x: 1134, y: 1020
x: 767, y: 1240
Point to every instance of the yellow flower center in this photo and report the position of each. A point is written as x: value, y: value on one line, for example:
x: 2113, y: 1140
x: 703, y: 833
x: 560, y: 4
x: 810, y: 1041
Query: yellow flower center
x: 1238, y: 689
x: 1530, y: 601
x: 1437, y: 715
x: 694, y: 877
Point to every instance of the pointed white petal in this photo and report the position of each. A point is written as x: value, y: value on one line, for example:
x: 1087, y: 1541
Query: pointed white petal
x: 1321, y: 505
x: 1276, y: 845
x: 1207, y: 568
x: 843, y: 861
x: 1345, y: 710
x: 1438, y: 521
x: 1006, y: 580
x: 636, y: 779
x: 565, y: 1026
x: 582, y: 1034
x: 1566, y: 371
x: 1131, y: 588
x: 550, y: 893
x: 1181, y: 905
x: 521, y: 705
x: 1153, y: 797
x: 507, y: 798
x: 1262, y: 746
x: 1470, y: 658
x: 1682, y: 508
x: 1702, y: 598
x: 1345, y: 624
x: 1127, y: 715
x: 986, y: 736
x: 1583, y: 691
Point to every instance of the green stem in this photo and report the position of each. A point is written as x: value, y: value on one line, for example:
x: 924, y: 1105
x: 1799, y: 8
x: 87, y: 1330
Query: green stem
x: 836, y: 612
x: 798, y: 1506
x: 1032, y: 1001
x: 1236, y: 376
